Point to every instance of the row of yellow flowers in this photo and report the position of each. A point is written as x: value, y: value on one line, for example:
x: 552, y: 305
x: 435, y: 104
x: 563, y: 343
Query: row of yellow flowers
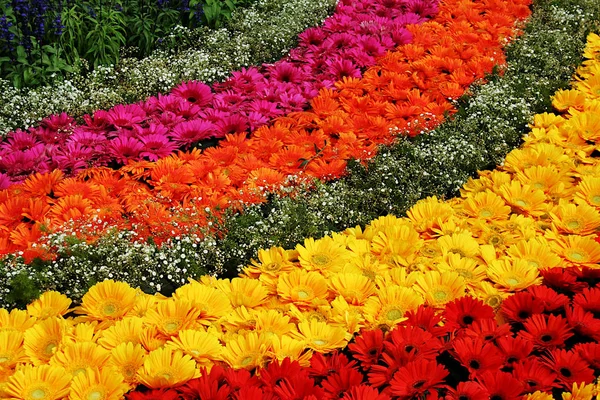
x: 541, y: 209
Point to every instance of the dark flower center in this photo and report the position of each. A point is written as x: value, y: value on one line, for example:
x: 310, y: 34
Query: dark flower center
x: 372, y: 352
x: 419, y: 384
x: 191, y: 99
x: 474, y: 364
x: 496, y: 397
x: 511, y: 360
x: 409, y: 348
x: 463, y: 397
x: 566, y: 372
x: 532, y: 383
x: 546, y: 338
x: 523, y: 314
x: 467, y: 319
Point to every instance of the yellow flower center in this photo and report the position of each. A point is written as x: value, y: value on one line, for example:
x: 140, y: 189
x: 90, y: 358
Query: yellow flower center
x: 457, y: 251
x: 171, y: 326
x: 109, y: 309
x: 49, y: 349
x: 534, y: 263
x: 512, y: 281
x: 465, y: 273
x: 271, y: 267
x: 95, y: 395
x: 38, y: 394
x: 493, y: 301
x: 320, y: 259
x: 521, y: 203
x: 319, y: 342
x: 247, y: 360
x: 304, y: 293
x: 440, y: 295
x: 166, y: 375
x: 485, y: 213
x: 4, y: 359
x: 573, y: 224
x: 596, y: 199
x: 79, y: 371
x: 576, y: 255
x: 394, y: 314
x: 539, y: 185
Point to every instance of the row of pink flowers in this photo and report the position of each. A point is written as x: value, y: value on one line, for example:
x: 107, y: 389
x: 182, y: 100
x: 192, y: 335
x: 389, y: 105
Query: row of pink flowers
x: 346, y: 44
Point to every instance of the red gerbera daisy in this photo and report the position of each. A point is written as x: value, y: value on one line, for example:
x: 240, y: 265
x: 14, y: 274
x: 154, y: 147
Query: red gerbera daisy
x: 321, y: 366
x: 588, y: 274
x: 210, y: 385
x: 417, y: 378
x: 412, y: 343
x: 468, y: 391
x: 367, y: 347
x: 562, y: 279
x: 546, y: 331
x: 298, y: 387
x: 589, y: 300
x: 569, y: 366
x: 365, y: 392
x: 583, y: 322
x: 336, y: 384
x: 238, y: 379
x: 590, y: 352
x: 488, y: 330
x: 462, y: 312
x: 501, y: 385
x: 275, y: 371
x: 552, y: 300
x: 157, y: 394
x: 520, y: 306
x: 476, y: 355
x: 534, y: 375
x: 427, y: 319
x: 514, y: 349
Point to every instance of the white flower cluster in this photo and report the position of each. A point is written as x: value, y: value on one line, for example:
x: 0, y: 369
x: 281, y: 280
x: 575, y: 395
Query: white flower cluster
x: 261, y: 33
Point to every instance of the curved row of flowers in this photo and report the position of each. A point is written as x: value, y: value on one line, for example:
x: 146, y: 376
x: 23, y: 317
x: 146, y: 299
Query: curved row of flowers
x: 535, y: 219
x: 170, y: 196
x: 352, y: 39
x: 495, y: 124
x: 261, y: 33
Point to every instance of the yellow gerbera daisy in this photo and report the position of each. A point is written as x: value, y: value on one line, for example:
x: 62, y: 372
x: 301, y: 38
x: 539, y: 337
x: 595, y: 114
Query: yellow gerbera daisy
x: 524, y: 199
x: 354, y: 288
x: 390, y: 305
x: 98, y: 384
x: 128, y: 330
x: 271, y: 262
x: 273, y: 323
x: 128, y: 358
x: 537, y: 252
x: 429, y: 212
x: 462, y: 244
x: 467, y: 268
x: 578, y: 250
x: 151, y: 339
x: 321, y: 336
x: 211, y: 302
x: 86, y: 332
x: 346, y: 315
x: 397, y: 276
x: 77, y: 357
x: 513, y: 274
x: 548, y: 178
x: 294, y: 349
x: 400, y: 240
x: 365, y: 264
x: 50, y: 304
x: 204, y: 347
x: 586, y: 125
x: 489, y: 294
x: 11, y: 349
x: 165, y: 368
x: 44, y: 339
x: 580, y: 219
x: 323, y: 255
x: 537, y: 395
x: 244, y: 292
x: 439, y: 288
x: 588, y: 191
x: 302, y: 287
x: 486, y: 205
x: 172, y: 316
x: 547, y: 120
x: 42, y: 382
x: 580, y: 392
x: 565, y: 99
x: 15, y: 320
x: 247, y: 351
x: 108, y: 300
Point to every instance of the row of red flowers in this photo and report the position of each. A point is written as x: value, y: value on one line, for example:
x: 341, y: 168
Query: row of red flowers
x: 409, y: 90
x: 542, y: 341
x: 348, y: 42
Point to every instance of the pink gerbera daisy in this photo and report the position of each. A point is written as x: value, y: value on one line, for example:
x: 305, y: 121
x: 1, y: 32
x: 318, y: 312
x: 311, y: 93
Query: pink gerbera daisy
x: 190, y: 132
x: 194, y: 92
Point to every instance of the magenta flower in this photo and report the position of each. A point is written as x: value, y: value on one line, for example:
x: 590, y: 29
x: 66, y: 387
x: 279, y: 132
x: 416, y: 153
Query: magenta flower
x: 58, y: 122
x: 234, y: 123
x: 124, y: 149
x: 5, y: 181
x: 157, y: 146
x: 194, y: 92
x: 189, y: 132
x: 19, y: 141
x: 125, y: 116
x: 73, y: 157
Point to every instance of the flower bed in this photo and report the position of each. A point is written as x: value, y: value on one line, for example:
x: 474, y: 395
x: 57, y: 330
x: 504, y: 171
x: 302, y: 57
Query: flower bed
x: 191, y: 113
x: 261, y: 33
x: 170, y: 196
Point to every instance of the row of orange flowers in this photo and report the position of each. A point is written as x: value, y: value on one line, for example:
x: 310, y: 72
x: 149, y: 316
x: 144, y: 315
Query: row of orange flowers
x: 536, y: 216
x: 409, y: 91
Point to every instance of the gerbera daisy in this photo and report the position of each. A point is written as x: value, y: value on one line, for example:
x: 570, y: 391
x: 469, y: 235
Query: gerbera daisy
x: 367, y: 347
x: 524, y: 199
x: 427, y: 319
x: 417, y: 378
x: 513, y: 275
x: 341, y: 381
x: 128, y: 330
x: 562, y: 279
x: 590, y: 352
x: 440, y: 288
x: 127, y: 358
x: 195, y: 92
x: 301, y: 287
x: 589, y: 300
x: 322, y: 337
x: 486, y: 205
x: 578, y: 250
x: 399, y: 240
x: 43, y: 382
x: 324, y: 255
x: 588, y: 191
x: 364, y: 392
x: 583, y: 322
x: 468, y: 268
x: 426, y: 213
x: 408, y: 343
x: 49, y: 304
x: 11, y: 349
x: 44, y: 339
x: 77, y: 357
x: 514, y: 349
x: 581, y: 219
x: 247, y: 351
x: 581, y: 392
x: 390, y: 305
x: 204, y: 347
x: 462, y: 244
x: 172, y: 315
x: 569, y: 366
x: 98, y: 384
x: 464, y: 311
x: 211, y: 302
x: 487, y: 330
x: 108, y: 300
x: 354, y: 288
x: 500, y: 385
x: 552, y: 300
x: 287, y: 347
x: 534, y: 375
x: 477, y: 356
x: 164, y: 368
x: 470, y: 390
x: 536, y: 251
x: 520, y: 306
x: 272, y: 262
